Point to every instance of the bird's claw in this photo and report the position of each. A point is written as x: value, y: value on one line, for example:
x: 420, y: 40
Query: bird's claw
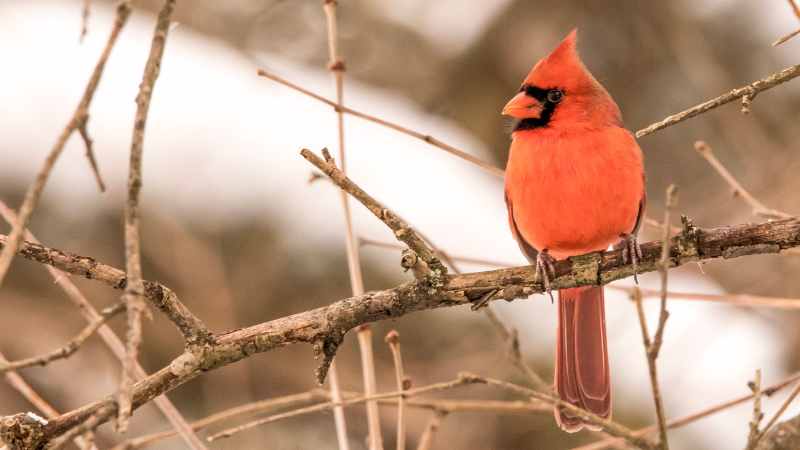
x: 545, y: 268
x: 631, y: 253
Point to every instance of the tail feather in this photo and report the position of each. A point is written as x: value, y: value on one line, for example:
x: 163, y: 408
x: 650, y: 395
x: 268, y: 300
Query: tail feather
x: 582, y: 373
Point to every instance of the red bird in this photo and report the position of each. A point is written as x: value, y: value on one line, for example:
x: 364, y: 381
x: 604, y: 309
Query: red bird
x: 574, y: 184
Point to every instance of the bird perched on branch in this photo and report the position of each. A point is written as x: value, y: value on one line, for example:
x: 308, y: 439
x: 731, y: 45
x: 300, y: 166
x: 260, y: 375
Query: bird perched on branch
x: 574, y: 184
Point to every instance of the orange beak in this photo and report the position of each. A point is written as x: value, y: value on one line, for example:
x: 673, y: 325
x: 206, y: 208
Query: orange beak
x: 523, y: 107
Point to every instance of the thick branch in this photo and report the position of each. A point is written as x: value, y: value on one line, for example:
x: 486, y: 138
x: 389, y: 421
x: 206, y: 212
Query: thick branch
x: 693, y: 244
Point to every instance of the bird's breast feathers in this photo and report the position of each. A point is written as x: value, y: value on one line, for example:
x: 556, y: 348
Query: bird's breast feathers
x: 574, y: 193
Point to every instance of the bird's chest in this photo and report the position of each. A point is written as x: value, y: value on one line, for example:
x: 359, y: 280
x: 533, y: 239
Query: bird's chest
x: 574, y: 195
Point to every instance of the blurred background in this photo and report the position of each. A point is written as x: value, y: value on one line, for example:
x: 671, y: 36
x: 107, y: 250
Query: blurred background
x: 231, y: 223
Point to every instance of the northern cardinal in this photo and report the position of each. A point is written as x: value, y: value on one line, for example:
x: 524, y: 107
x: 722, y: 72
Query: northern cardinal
x: 574, y: 184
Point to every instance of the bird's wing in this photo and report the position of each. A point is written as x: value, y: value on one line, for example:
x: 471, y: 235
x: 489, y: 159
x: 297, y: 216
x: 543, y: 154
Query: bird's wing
x: 640, y: 214
x: 527, y: 249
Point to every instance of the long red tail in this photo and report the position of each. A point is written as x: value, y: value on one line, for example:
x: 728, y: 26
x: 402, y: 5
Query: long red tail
x: 582, y: 376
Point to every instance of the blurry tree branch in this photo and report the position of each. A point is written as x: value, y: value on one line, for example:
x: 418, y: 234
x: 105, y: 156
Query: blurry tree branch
x: 69, y: 348
x: 336, y: 66
x: 78, y: 121
x: 489, y: 168
x: 695, y: 416
x: 759, y: 209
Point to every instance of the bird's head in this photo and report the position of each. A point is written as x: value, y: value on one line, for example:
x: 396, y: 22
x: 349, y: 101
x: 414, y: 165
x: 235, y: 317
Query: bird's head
x: 560, y: 93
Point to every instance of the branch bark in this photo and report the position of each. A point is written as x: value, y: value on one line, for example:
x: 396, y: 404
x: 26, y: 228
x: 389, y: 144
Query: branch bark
x: 336, y: 319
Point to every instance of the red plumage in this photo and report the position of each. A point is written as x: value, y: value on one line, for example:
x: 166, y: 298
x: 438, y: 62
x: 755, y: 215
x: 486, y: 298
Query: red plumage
x: 574, y: 184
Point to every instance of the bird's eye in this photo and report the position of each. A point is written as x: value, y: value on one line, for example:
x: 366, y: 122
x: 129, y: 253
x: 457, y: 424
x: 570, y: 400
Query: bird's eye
x: 554, y: 95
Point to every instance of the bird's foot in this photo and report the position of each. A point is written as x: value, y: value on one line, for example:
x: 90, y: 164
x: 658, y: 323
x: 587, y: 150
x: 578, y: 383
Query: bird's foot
x: 545, y: 268
x: 631, y: 252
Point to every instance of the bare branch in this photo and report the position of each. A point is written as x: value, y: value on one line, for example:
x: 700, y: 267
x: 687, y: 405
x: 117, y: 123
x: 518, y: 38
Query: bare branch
x: 663, y: 266
x: 109, y: 337
x: 703, y: 413
x: 78, y: 117
x: 489, y: 168
x: 758, y: 208
x: 786, y: 38
x: 750, y: 90
x: 401, y: 229
x: 403, y: 384
x: 426, y: 441
x: 134, y: 290
x: 608, y: 426
x: 69, y: 348
x: 87, y: 141
x: 460, y: 381
x: 86, y: 9
x: 754, y: 435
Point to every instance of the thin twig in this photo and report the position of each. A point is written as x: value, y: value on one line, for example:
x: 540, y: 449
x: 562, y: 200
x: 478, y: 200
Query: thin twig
x: 749, y: 90
x: 426, y: 441
x: 695, y: 416
x: 88, y: 143
x: 759, y: 209
x: 272, y: 404
x: 795, y: 8
x: 85, y: 11
x: 401, y: 229
x: 110, y: 338
x: 134, y: 290
x: 608, y: 426
x: 779, y: 413
x: 337, y: 68
x: 338, y: 413
x: 653, y: 347
x: 250, y: 408
x: 69, y: 348
x: 754, y: 435
x: 20, y: 385
x: 78, y: 118
x: 460, y: 381
x: 445, y: 256
x: 663, y: 270
x: 89, y: 425
x: 786, y: 38
x: 489, y: 168
x: 403, y: 384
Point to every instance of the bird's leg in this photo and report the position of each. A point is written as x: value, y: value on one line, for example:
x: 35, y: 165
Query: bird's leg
x: 631, y: 252
x: 545, y: 267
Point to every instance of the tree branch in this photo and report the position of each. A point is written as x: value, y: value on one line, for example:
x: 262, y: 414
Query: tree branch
x: 160, y: 296
x: 77, y: 121
x: 748, y: 91
x: 134, y: 290
x: 693, y: 244
x: 69, y: 348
